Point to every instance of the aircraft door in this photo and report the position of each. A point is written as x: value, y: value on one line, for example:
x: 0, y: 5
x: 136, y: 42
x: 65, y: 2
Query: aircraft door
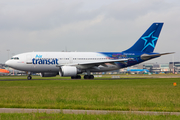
x: 28, y: 59
x: 29, y: 62
x: 70, y: 59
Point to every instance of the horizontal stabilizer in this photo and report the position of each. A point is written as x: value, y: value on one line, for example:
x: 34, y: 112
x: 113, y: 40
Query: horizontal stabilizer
x: 146, y: 56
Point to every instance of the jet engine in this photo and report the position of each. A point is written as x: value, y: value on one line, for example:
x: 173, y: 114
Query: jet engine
x: 48, y: 74
x: 68, y: 71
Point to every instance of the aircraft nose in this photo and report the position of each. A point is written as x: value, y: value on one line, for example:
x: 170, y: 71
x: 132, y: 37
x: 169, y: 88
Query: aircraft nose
x: 8, y: 63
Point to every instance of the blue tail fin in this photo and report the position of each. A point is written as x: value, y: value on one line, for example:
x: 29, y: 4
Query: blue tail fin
x: 147, y: 41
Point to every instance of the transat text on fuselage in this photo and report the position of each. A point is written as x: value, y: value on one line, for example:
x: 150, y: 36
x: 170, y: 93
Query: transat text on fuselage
x: 47, y: 61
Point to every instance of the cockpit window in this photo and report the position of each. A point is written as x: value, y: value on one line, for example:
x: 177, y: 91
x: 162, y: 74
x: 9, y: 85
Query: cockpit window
x: 14, y: 58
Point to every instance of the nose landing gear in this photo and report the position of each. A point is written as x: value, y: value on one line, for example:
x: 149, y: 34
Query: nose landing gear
x: 29, y: 77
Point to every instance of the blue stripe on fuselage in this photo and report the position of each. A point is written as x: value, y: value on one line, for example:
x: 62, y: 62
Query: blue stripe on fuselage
x: 134, y: 58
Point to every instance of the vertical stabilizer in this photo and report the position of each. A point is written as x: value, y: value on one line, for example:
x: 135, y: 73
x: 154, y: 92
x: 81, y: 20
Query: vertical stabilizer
x: 147, y: 42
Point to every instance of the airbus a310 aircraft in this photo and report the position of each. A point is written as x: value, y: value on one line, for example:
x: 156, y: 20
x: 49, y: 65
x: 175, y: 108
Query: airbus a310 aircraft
x: 73, y: 63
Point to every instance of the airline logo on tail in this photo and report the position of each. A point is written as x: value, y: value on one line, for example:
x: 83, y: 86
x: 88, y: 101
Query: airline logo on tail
x: 149, y: 40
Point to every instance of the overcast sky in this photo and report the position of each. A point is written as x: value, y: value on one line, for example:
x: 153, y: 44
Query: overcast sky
x: 86, y: 25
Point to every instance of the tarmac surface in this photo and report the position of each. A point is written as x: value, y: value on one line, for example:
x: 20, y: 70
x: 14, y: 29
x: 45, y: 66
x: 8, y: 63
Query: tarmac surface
x: 120, y: 77
x: 68, y: 111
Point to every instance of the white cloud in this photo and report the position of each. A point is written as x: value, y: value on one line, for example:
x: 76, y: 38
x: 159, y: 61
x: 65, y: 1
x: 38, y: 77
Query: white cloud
x: 85, y: 25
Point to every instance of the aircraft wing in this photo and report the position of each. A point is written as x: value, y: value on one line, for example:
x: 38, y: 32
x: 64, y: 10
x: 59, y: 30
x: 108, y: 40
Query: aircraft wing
x: 100, y: 62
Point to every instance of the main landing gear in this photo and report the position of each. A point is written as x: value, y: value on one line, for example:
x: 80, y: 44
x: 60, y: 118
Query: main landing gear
x: 89, y: 77
x: 76, y: 77
x: 85, y: 77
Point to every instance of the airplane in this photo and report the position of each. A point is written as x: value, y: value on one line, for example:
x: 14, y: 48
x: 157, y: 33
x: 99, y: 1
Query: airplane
x: 4, y: 72
x: 71, y: 64
x: 138, y: 70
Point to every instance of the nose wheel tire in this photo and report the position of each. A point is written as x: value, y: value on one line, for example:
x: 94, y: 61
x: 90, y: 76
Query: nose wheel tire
x: 29, y: 77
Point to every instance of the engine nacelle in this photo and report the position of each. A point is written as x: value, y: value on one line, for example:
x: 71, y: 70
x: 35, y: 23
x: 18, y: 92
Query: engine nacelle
x: 48, y: 74
x: 68, y: 71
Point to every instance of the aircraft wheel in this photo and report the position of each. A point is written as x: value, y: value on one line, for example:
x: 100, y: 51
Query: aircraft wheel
x: 91, y: 77
x: 86, y: 77
x: 29, y: 77
x: 76, y: 77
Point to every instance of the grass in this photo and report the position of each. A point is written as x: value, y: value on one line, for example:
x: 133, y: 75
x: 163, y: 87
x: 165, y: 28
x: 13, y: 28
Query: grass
x: 145, y: 94
x: 57, y: 116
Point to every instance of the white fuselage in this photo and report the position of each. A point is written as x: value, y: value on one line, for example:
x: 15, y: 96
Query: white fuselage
x: 49, y: 61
